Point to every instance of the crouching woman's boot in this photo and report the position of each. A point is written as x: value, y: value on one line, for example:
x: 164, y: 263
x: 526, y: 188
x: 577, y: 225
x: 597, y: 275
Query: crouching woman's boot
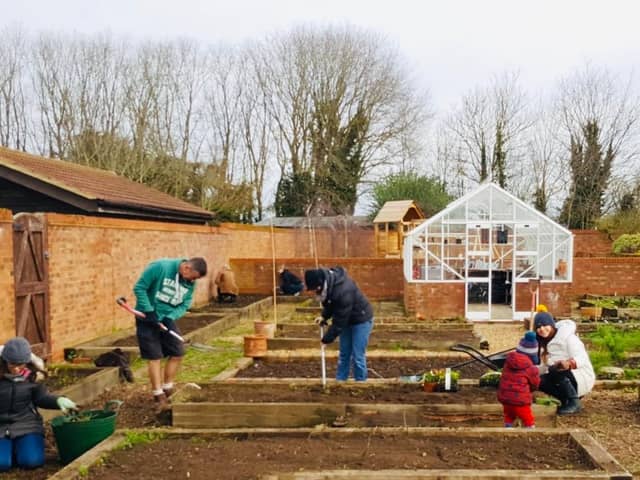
x: 568, y: 397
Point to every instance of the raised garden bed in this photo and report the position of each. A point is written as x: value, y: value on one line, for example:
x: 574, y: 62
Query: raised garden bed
x: 272, y: 404
x: 353, y: 454
x: 81, y: 383
x: 381, y: 338
x: 200, y: 327
x: 379, y: 367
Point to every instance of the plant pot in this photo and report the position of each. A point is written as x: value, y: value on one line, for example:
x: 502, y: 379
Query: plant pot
x: 255, y: 346
x: 268, y: 329
x: 592, y: 313
x: 430, y: 386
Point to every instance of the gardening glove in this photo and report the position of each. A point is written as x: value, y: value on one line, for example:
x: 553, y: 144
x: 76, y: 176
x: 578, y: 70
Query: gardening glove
x: 151, y: 316
x: 66, y: 404
x: 321, y: 321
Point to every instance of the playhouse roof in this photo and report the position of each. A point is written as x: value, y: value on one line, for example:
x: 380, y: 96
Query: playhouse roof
x: 397, y: 211
x: 87, y: 190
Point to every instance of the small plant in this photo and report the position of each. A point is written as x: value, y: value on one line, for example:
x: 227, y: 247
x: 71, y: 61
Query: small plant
x: 133, y: 438
x: 439, y: 375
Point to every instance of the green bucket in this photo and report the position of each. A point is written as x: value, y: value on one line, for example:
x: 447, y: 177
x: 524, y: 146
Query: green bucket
x: 78, y: 432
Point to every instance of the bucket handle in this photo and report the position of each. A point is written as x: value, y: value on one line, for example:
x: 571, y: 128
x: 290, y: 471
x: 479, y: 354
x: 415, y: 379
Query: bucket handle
x: 112, y: 405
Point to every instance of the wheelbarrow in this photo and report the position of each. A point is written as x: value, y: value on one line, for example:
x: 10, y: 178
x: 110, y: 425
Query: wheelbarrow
x: 495, y: 361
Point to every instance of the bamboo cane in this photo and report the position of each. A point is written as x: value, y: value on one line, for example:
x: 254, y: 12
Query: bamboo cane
x: 273, y: 268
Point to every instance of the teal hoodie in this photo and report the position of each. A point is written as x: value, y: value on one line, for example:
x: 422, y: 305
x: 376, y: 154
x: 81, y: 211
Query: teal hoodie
x: 156, y: 289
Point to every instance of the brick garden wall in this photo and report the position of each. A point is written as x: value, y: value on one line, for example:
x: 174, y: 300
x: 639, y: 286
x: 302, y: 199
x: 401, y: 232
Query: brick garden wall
x: 433, y: 301
x: 7, y: 298
x: 93, y: 260
x: 379, y: 278
x: 591, y: 243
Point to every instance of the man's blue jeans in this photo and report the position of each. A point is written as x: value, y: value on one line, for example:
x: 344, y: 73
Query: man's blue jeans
x: 27, y: 449
x: 353, y: 351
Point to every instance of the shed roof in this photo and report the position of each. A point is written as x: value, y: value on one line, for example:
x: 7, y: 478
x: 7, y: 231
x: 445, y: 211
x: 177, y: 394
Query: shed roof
x: 317, y: 222
x: 396, y: 210
x: 95, y: 191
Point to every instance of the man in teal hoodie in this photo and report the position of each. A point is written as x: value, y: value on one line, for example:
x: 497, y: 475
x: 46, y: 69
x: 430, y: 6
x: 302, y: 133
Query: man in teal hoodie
x: 164, y: 292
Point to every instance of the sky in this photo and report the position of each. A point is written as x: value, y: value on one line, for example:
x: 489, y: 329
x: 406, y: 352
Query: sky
x: 451, y: 46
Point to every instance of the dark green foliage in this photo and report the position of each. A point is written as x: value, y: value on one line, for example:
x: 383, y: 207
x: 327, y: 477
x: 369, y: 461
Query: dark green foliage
x: 428, y: 192
x: 540, y: 199
x: 499, y: 159
x: 294, y: 194
x: 590, y: 173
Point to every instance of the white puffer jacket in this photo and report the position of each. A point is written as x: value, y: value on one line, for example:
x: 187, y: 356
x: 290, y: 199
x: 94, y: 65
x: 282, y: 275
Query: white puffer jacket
x: 566, y: 345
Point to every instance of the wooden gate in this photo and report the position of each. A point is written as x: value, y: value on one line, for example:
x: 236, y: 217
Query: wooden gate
x: 31, y: 277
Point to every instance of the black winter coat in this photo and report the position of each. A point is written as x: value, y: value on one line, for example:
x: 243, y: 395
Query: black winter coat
x: 344, y: 303
x: 18, y: 401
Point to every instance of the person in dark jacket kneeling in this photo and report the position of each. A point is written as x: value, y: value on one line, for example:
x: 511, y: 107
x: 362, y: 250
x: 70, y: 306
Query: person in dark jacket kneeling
x: 351, y: 315
x: 21, y: 426
x: 520, y: 377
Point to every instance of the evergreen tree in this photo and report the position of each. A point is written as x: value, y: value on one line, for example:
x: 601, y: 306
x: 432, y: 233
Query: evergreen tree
x: 590, y: 173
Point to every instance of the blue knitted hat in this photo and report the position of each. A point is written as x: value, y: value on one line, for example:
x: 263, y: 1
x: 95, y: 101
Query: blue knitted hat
x: 543, y: 318
x: 529, y: 346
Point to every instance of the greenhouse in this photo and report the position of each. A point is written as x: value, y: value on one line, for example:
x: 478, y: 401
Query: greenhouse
x: 496, y: 245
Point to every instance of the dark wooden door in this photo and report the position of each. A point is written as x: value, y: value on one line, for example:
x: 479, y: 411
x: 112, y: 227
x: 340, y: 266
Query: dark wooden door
x: 31, y: 277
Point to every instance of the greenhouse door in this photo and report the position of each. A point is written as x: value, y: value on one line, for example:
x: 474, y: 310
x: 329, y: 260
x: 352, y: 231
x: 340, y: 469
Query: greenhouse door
x: 478, y: 271
x: 489, y: 271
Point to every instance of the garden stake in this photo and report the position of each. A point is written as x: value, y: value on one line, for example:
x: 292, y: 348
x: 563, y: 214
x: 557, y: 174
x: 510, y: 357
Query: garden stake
x: 324, y: 363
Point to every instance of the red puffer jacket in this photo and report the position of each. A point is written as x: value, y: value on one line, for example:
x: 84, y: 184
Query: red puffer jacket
x: 519, y: 378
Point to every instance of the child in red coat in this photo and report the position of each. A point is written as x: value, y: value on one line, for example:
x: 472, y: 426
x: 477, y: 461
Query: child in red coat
x: 520, y: 377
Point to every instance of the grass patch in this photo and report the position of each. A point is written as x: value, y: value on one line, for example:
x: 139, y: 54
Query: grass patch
x: 198, y: 366
x: 611, y: 345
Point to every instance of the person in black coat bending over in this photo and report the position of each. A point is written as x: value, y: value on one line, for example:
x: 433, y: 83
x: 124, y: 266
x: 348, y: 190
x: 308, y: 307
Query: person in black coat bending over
x: 351, y: 314
x: 290, y: 284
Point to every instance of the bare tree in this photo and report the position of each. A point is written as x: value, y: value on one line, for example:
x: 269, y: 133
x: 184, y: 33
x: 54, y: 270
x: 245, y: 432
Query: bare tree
x: 599, y: 115
x: 13, y: 121
x: 489, y: 128
x: 341, y: 102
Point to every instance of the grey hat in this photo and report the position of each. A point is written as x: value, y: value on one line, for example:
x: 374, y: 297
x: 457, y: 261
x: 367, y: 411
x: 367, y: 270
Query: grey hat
x: 17, y: 350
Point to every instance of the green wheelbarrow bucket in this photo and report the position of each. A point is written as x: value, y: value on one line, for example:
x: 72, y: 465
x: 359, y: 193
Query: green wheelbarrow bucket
x: 79, y: 432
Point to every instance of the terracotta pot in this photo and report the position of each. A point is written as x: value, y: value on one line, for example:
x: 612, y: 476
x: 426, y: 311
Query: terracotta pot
x: 268, y: 329
x: 430, y: 386
x: 255, y: 346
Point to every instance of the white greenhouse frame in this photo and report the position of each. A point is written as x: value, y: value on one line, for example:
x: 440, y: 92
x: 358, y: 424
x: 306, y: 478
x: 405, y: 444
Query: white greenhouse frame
x: 489, y: 240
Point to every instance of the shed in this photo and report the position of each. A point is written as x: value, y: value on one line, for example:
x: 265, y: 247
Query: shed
x: 30, y: 183
x: 393, y: 221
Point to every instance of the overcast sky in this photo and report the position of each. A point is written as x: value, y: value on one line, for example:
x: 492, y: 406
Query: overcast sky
x: 452, y: 45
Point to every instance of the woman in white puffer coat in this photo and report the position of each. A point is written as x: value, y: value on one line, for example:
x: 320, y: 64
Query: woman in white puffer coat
x: 565, y: 368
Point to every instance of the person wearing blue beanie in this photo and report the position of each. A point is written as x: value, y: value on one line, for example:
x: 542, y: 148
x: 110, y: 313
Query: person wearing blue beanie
x: 518, y: 380
x: 565, y: 367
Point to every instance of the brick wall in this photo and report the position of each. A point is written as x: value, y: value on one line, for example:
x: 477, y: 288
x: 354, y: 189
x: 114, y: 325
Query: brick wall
x: 435, y: 300
x: 7, y: 298
x: 591, y: 243
x: 256, y: 242
x: 379, y: 278
x: 93, y: 260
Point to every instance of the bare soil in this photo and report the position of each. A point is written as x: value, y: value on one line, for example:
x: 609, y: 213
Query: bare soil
x: 403, y: 393
x: 241, y: 301
x: 59, y: 378
x: 249, y: 458
x: 611, y: 416
x: 389, y: 367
